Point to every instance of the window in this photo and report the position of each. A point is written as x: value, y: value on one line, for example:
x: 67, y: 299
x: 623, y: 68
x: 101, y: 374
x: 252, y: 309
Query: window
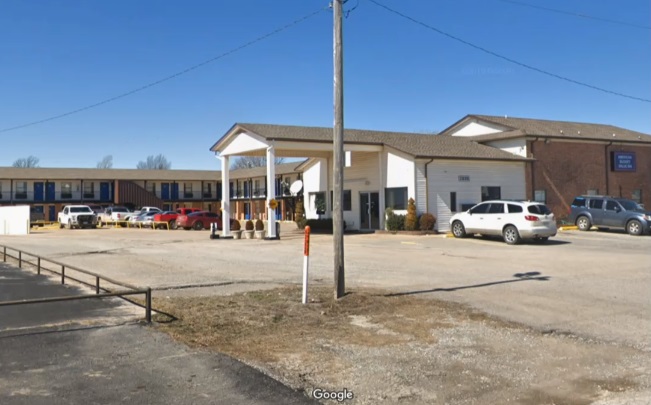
x: 496, y: 208
x: 89, y: 189
x: 257, y: 191
x: 66, y: 190
x: 151, y: 187
x: 539, y: 209
x: 612, y: 205
x: 593, y: 192
x: 187, y: 190
x: 453, y: 201
x: 480, y: 209
x: 514, y: 209
x: 395, y: 198
x: 21, y: 190
x: 540, y: 196
x: 318, y: 202
x: 636, y: 195
x: 288, y: 182
x: 207, y: 189
x: 219, y: 190
x: 347, y: 200
x: 490, y: 193
x: 347, y: 158
x: 578, y: 202
x: 0, y: 189
x: 597, y: 203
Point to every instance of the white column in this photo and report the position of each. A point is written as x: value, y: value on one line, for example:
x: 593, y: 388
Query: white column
x: 226, y: 198
x: 271, y: 192
x: 328, y: 188
x: 382, y: 186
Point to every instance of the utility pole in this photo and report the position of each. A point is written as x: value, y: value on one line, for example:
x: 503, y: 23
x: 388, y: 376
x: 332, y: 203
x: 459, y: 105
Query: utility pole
x: 338, y: 152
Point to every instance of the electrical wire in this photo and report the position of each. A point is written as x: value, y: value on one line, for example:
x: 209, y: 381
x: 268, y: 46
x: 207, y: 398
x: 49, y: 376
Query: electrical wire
x: 170, y: 77
x: 586, y: 16
x: 513, y: 61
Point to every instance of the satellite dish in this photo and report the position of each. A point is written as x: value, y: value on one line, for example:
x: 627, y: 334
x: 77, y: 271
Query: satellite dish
x: 296, y: 187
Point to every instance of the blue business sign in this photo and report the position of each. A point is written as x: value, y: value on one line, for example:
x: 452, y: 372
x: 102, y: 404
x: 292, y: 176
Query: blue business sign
x: 623, y: 161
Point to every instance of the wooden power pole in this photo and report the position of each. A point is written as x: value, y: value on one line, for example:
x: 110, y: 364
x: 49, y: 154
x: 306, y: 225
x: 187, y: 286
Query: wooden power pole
x: 338, y: 145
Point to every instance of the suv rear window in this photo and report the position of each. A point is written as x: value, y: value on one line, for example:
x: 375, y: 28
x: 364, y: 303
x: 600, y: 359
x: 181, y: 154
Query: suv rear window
x: 539, y: 209
x: 596, y: 203
x: 514, y: 208
x: 578, y: 202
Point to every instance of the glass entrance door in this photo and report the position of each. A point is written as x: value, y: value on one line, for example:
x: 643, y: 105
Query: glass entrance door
x: 369, y: 209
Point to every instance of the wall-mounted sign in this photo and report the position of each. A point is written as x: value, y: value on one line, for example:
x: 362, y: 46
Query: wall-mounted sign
x: 623, y: 161
x: 464, y: 178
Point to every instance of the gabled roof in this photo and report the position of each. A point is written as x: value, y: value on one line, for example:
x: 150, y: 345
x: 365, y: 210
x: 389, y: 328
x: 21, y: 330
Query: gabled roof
x: 552, y: 129
x: 417, y: 145
x: 43, y: 173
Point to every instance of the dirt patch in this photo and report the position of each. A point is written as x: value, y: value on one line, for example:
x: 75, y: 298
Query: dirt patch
x: 403, y: 349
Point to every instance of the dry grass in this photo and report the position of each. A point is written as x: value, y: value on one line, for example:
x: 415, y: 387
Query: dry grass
x: 267, y: 325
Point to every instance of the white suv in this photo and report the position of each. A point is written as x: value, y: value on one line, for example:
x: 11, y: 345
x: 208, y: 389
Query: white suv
x: 513, y: 220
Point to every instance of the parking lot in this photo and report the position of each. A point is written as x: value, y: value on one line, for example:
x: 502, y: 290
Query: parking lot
x: 594, y: 285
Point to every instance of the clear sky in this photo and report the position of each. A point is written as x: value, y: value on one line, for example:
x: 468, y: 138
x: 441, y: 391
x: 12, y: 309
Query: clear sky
x: 58, y: 56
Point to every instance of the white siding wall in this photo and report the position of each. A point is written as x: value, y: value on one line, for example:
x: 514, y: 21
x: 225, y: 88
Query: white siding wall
x: 314, y: 180
x: 475, y: 128
x: 515, y: 146
x: 421, y: 188
x: 443, y: 178
x: 243, y: 143
x: 401, y: 172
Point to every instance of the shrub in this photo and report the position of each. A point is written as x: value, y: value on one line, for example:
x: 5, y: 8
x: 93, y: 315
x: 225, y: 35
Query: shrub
x: 248, y: 225
x: 301, y: 223
x: 427, y: 222
x: 299, y: 213
x: 235, y: 226
x: 411, y: 220
x: 259, y: 225
x: 394, y: 222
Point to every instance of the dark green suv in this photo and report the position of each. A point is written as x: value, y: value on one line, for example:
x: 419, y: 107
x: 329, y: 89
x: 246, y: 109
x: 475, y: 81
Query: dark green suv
x: 609, y: 212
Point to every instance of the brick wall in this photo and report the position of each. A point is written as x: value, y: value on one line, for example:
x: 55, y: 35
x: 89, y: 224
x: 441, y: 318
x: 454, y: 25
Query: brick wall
x: 565, y: 170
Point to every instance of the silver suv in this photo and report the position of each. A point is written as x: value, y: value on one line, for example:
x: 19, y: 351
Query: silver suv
x: 609, y: 212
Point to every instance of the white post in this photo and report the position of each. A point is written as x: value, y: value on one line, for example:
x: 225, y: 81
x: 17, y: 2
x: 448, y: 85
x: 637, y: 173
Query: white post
x: 306, y: 262
x: 226, y: 198
x: 271, y: 192
x: 381, y: 207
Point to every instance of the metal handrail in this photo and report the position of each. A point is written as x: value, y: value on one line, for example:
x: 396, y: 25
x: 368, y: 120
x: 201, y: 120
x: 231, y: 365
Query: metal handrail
x: 98, y: 277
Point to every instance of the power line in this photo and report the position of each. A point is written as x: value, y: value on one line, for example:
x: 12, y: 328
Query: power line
x: 170, y: 77
x: 586, y: 16
x: 524, y: 65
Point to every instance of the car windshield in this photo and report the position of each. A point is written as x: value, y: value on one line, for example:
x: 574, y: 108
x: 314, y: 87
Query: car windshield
x: 629, y: 205
x: 539, y: 209
x: 80, y: 209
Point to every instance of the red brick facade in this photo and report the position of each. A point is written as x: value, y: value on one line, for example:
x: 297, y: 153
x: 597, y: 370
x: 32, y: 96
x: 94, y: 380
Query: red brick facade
x: 567, y: 169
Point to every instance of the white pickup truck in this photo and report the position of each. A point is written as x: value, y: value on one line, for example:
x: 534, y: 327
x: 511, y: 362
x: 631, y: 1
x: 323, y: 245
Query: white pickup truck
x: 77, y: 216
x: 114, y: 214
x: 145, y: 210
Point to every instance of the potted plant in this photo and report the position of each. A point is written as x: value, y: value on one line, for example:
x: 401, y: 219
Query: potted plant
x: 235, y: 230
x: 248, y: 229
x: 259, y: 229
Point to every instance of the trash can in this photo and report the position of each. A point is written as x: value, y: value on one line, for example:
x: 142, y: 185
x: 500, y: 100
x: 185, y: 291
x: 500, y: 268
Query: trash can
x: 277, y: 230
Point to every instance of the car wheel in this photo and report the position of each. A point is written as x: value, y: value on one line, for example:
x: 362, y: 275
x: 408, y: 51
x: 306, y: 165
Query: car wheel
x: 458, y: 230
x: 634, y: 227
x: 69, y: 224
x: 511, y: 235
x: 173, y: 224
x: 198, y: 226
x: 583, y: 223
x: 61, y: 225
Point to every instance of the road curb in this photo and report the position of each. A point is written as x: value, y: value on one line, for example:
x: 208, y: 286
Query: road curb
x: 568, y: 228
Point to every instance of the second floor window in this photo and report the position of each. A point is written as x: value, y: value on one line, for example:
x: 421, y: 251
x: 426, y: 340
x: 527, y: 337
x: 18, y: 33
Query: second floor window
x: 89, y: 189
x: 187, y: 190
x: 207, y: 189
x: 151, y: 187
x: 0, y: 189
x: 256, y: 189
x: 21, y: 189
x: 66, y: 190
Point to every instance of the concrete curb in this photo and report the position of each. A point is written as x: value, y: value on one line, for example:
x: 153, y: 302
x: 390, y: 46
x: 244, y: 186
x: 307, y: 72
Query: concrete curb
x: 568, y: 228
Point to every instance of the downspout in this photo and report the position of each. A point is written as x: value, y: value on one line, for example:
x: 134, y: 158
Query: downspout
x: 426, y: 186
x: 606, y: 164
x: 532, y: 180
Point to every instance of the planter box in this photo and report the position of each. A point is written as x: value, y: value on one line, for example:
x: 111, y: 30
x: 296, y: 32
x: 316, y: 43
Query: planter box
x: 237, y: 234
x: 248, y: 234
x: 259, y: 234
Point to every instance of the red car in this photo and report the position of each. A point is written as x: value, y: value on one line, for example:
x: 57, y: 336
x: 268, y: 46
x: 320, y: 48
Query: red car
x: 171, y: 216
x: 199, y: 220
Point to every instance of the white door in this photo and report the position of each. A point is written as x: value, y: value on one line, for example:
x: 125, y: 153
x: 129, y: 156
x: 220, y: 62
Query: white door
x: 476, y: 219
x: 495, y: 219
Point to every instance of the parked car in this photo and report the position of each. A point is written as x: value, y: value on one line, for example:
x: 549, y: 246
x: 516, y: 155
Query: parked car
x: 141, y: 219
x: 171, y: 216
x: 114, y: 214
x: 144, y: 210
x: 200, y: 220
x: 610, y: 212
x: 97, y: 209
x: 77, y: 216
x: 36, y: 217
x: 513, y: 220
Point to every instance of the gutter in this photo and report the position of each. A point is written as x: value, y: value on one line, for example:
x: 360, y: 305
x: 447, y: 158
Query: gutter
x: 606, y: 164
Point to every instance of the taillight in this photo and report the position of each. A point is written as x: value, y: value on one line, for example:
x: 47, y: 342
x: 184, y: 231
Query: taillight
x: 118, y: 216
x: 531, y: 218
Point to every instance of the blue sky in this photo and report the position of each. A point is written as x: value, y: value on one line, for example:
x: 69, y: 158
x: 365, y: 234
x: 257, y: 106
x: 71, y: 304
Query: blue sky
x: 57, y: 56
